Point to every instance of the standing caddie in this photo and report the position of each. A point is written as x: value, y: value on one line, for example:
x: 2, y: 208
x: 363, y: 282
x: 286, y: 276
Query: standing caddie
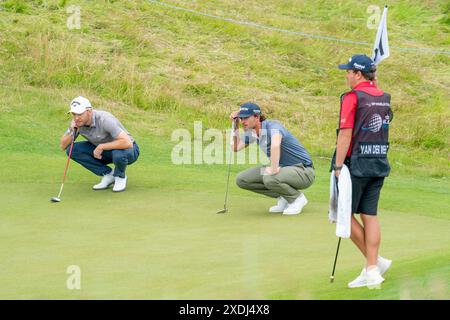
x: 362, y: 144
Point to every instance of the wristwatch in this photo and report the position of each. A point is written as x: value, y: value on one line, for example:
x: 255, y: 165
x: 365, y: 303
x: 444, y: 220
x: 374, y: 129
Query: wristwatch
x: 337, y: 168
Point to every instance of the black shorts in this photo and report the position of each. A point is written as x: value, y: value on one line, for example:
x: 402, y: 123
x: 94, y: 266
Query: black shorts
x: 365, y: 195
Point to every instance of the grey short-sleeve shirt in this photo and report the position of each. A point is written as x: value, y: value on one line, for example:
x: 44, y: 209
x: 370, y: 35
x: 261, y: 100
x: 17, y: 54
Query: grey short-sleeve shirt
x: 292, y: 151
x: 104, y: 128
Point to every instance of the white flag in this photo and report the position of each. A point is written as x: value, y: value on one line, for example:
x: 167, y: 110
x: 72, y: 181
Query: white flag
x: 381, y: 45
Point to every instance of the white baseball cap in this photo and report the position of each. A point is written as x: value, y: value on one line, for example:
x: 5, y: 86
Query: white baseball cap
x: 79, y: 105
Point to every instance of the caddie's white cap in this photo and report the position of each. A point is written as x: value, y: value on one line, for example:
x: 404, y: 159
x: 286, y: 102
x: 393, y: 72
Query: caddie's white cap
x: 79, y: 105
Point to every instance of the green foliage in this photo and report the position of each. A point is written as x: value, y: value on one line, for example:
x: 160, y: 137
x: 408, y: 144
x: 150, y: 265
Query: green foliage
x: 16, y: 6
x: 153, y: 58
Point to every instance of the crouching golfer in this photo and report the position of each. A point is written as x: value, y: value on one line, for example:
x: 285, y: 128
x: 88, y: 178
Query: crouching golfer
x: 290, y: 169
x: 107, y: 142
x: 362, y: 144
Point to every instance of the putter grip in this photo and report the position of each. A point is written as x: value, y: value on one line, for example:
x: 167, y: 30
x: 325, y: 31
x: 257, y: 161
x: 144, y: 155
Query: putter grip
x: 75, y: 133
x: 233, y: 127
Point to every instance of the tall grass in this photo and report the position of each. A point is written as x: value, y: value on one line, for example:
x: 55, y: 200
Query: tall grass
x: 196, y: 68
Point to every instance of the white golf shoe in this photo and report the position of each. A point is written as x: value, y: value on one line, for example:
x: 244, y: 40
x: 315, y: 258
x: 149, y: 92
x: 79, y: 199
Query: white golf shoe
x: 281, y: 205
x: 120, y: 184
x: 360, y: 281
x: 107, y: 180
x: 296, y: 206
x: 383, y: 264
x: 374, y: 278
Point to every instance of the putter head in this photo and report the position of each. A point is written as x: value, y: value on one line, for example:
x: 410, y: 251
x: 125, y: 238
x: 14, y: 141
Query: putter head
x: 331, y: 279
x: 224, y: 210
x: 55, y: 199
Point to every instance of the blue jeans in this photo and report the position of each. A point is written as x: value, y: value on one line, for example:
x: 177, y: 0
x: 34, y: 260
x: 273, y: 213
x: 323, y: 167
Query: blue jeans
x: 83, y: 153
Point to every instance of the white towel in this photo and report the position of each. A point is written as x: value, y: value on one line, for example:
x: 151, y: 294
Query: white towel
x: 340, y: 209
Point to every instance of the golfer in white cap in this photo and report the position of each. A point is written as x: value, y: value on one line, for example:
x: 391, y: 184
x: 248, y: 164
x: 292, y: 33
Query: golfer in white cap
x: 107, y: 142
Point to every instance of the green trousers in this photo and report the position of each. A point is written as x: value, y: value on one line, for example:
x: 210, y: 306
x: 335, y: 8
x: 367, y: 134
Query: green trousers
x: 285, y: 183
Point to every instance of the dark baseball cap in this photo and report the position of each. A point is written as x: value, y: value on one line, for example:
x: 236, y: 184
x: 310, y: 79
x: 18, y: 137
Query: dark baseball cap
x: 249, y: 109
x: 358, y: 62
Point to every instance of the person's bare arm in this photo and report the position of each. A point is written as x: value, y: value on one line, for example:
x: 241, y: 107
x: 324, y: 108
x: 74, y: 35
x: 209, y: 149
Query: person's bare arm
x: 238, y: 144
x: 343, y: 143
x: 66, y: 139
x: 275, y: 152
x: 122, y: 141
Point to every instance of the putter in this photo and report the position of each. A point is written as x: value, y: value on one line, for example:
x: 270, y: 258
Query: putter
x: 339, y: 242
x: 58, y: 198
x: 225, y: 209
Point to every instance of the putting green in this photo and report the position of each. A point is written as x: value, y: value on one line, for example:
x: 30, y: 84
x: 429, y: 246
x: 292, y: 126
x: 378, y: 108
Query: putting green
x: 159, y: 70
x: 161, y: 239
